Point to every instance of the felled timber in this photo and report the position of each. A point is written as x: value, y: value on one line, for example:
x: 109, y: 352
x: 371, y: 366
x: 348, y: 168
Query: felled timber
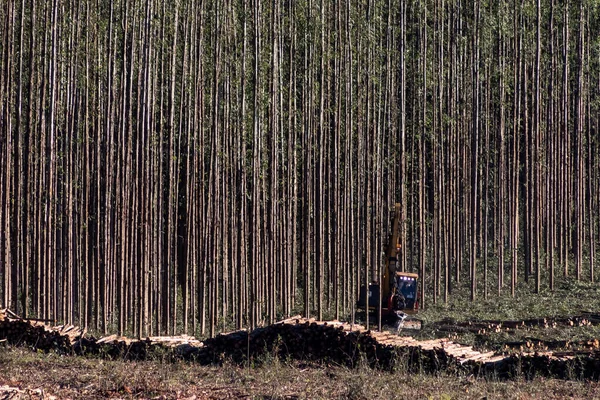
x: 69, y: 339
x: 328, y: 342
x: 543, y: 345
x: 342, y: 343
x: 22, y: 331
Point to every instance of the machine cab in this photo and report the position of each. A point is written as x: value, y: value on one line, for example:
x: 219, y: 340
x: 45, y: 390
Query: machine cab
x: 405, y: 289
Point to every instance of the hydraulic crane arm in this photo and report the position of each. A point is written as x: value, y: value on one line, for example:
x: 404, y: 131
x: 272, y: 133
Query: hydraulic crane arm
x: 393, y: 248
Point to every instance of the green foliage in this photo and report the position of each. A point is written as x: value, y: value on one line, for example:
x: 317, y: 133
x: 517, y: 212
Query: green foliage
x: 570, y: 298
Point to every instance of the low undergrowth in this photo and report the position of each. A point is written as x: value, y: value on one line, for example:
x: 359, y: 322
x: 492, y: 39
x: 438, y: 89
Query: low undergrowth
x: 570, y: 298
x: 91, y: 378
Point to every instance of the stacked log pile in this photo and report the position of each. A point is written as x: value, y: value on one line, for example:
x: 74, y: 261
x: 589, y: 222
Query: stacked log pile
x: 32, y: 332
x: 304, y: 339
x: 73, y: 340
x: 329, y: 342
x: 345, y: 344
x: 534, y: 344
x: 121, y: 347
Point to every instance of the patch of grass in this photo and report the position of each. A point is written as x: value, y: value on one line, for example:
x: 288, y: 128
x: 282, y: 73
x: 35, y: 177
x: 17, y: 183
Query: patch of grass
x: 570, y: 297
x: 92, y: 378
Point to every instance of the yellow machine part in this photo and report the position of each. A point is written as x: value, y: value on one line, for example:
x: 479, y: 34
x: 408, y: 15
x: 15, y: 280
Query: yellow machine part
x: 392, y: 251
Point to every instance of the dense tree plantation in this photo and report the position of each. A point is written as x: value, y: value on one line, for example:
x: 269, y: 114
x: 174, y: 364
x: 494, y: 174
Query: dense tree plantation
x: 192, y: 166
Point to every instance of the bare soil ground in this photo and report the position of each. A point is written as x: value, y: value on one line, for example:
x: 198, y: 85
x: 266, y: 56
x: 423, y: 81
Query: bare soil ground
x: 25, y: 374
